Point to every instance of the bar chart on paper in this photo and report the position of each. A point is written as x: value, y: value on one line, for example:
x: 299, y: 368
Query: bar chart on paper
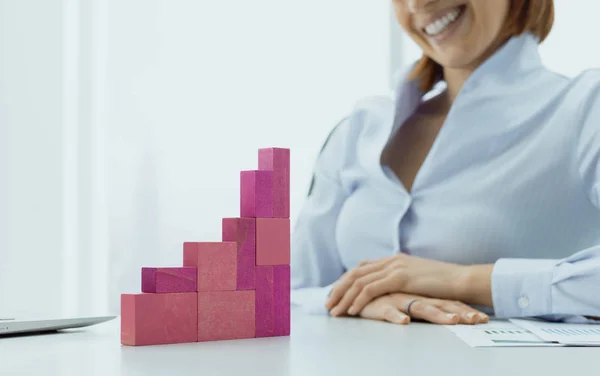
x: 498, y: 333
x: 527, y: 333
x: 568, y: 334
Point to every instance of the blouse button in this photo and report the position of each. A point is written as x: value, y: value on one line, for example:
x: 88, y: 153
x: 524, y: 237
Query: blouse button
x: 523, y: 302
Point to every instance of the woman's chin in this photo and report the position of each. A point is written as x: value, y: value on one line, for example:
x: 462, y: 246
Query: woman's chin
x: 455, y: 61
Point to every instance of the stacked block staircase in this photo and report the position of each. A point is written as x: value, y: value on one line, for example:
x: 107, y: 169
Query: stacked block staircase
x: 233, y: 289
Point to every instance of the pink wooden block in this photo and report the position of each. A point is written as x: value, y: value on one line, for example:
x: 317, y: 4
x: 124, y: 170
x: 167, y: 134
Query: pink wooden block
x: 161, y: 280
x: 216, y: 264
x: 243, y: 232
x: 281, y: 300
x: 265, y: 321
x: 154, y: 319
x: 278, y: 161
x: 226, y: 315
x: 272, y: 241
x: 256, y: 194
x: 274, y: 159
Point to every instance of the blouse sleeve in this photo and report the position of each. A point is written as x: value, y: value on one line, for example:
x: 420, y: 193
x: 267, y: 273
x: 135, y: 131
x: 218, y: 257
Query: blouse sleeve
x: 316, y: 263
x: 567, y: 289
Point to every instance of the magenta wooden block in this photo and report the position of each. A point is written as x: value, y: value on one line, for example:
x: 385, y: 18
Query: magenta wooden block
x: 265, y: 320
x: 272, y: 241
x: 162, y: 280
x: 274, y: 159
x: 226, y: 315
x: 281, y: 300
x: 278, y: 161
x: 154, y: 319
x: 243, y: 232
x: 216, y: 264
x: 256, y: 194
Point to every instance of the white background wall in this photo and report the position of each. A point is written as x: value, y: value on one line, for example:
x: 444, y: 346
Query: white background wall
x: 195, y: 88
x: 571, y: 47
x: 31, y: 150
x: 124, y: 123
x: 145, y: 112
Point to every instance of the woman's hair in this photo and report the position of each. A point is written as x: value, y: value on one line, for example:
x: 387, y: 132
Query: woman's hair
x: 534, y: 16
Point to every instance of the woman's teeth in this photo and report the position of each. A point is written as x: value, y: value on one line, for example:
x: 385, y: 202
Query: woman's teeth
x: 438, y: 26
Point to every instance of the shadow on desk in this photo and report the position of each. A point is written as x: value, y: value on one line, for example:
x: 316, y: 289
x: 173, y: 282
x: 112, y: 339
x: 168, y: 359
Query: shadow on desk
x: 43, y: 333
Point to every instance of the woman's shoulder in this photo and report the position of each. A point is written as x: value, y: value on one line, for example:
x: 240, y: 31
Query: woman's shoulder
x: 583, y: 93
x: 367, y: 115
x: 371, y: 109
x: 585, y: 85
x: 573, y: 96
x: 591, y: 75
x: 366, y: 118
x: 372, y: 116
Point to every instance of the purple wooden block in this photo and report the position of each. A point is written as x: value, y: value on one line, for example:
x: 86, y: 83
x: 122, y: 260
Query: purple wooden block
x: 256, y: 194
x: 163, y: 280
x: 274, y: 159
x: 278, y: 161
x: 243, y: 232
x: 264, y: 302
x: 281, y: 300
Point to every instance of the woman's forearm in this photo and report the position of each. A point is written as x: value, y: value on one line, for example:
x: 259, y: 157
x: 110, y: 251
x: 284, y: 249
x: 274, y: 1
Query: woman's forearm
x: 475, y: 287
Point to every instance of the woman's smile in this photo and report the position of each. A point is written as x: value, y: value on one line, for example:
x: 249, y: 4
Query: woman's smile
x: 443, y: 25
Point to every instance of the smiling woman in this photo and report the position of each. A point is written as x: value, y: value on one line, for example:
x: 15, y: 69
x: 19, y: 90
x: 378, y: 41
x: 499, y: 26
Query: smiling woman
x: 482, y: 192
x: 478, y: 28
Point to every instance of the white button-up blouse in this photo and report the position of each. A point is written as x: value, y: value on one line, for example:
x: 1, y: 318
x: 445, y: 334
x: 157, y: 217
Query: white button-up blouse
x: 513, y: 178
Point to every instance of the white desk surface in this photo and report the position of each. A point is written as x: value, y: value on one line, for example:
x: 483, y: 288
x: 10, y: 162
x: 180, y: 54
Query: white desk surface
x: 318, y: 346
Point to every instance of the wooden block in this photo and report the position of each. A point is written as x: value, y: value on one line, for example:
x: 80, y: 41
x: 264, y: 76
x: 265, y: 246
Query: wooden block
x: 256, y: 194
x: 216, y: 264
x: 265, y: 321
x: 274, y: 159
x: 272, y: 241
x: 162, y: 280
x: 281, y: 300
x: 278, y: 161
x: 272, y: 301
x: 243, y: 232
x: 155, y: 319
x: 226, y: 315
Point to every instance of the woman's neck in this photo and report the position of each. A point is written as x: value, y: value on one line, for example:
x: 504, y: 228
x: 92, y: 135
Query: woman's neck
x: 455, y: 79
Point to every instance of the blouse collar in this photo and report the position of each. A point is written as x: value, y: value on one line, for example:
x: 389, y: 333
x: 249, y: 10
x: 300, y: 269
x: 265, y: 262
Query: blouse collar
x: 508, y: 65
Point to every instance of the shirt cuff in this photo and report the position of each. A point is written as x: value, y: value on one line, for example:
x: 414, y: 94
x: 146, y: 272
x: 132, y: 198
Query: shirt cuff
x: 522, y: 287
x: 312, y: 300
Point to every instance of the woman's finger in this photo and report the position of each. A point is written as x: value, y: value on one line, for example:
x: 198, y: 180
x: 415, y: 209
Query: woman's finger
x: 483, y: 317
x: 346, y: 281
x: 366, y: 262
x: 385, y: 312
x: 426, y: 310
x: 380, y: 287
x: 467, y: 314
x: 357, y: 287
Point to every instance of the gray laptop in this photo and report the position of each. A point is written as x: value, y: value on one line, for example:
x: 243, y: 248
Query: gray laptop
x: 11, y: 326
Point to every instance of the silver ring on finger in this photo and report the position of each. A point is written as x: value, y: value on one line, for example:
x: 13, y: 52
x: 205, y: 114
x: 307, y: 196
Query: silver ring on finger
x: 409, y: 304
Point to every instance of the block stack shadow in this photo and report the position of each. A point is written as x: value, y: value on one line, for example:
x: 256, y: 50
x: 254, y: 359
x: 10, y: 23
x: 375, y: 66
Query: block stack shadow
x: 233, y: 289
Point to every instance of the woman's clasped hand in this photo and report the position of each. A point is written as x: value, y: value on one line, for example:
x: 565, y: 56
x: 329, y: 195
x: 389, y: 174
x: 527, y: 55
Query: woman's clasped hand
x: 397, y: 288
